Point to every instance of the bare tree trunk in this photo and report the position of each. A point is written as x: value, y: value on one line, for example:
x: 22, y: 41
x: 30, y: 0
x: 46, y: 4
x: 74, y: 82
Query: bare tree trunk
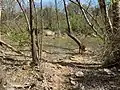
x: 36, y: 31
x: 116, y: 16
x: 56, y: 8
x: 0, y: 11
x: 88, y: 21
x: 112, y: 53
x: 106, y: 18
x: 69, y: 31
x: 0, y: 15
x: 84, y: 11
x: 41, y: 31
x: 33, y: 43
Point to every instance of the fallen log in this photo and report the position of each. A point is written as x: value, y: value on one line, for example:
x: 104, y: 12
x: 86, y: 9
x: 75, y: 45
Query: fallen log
x: 11, y: 47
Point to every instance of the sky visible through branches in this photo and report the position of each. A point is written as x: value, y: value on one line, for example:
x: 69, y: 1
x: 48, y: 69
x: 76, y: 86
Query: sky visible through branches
x: 60, y: 2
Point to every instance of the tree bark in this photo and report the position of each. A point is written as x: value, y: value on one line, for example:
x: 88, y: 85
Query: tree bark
x: 41, y: 31
x: 33, y: 43
x: 112, y: 53
x: 106, y: 19
x: 0, y: 10
x: 0, y: 15
x: 69, y: 31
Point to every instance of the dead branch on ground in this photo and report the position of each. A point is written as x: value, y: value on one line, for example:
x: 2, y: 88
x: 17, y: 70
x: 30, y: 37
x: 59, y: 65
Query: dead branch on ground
x: 11, y: 47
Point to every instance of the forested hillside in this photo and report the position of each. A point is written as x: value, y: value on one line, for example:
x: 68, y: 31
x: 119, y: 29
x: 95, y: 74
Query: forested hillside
x: 59, y: 45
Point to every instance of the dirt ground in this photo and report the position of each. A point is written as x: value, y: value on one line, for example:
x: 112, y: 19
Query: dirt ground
x: 60, y: 69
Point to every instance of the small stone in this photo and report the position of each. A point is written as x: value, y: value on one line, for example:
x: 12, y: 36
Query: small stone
x: 81, y: 86
x: 113, y: 86
x: 71, y: 78
x: 10, y: 88
x: 76, y: 86
x: 79, y: 74
x: 73, y: 82
x: 109, y: 72
x: 59, y: 66
x: 118, y: 70
x: 46, y: 88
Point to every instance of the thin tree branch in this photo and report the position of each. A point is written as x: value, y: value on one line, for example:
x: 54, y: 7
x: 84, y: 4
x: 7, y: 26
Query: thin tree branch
x: 25, y: 15
x: 88, y: 5
x: 89, y: 14
x: 88, y: 21
x: 104, y: 11
x: 35, y: 21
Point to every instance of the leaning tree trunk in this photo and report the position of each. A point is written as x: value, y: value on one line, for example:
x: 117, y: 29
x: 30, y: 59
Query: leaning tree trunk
x: 69, y: 32
x: 112, y: 55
